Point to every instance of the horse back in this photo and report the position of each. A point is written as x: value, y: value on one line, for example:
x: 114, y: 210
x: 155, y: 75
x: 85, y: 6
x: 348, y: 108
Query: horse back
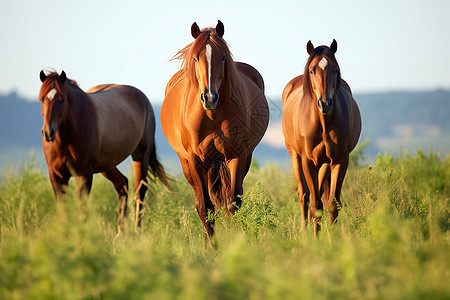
x: 109, y: 95
x: 255, y: 103
x: 125, y: 119
x: 100, y: 88
x: 346, y: 87
x: 295, y: 85
x: 172, y: 111
x: 354, y: 115
x: 250, y: 72
x: 173, y: 81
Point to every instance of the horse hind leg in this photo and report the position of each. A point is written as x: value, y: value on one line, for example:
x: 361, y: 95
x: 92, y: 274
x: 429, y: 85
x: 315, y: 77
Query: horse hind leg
x: 214, y: 184
x: 236, y: 169
x: 302, y: 189
x: 219, y: 184
x: 120, y: 183
x: 337, y: 178
x: 140, y: 188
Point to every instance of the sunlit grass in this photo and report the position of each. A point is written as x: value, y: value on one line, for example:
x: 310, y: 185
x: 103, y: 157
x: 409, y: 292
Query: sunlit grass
x: 391, y: 240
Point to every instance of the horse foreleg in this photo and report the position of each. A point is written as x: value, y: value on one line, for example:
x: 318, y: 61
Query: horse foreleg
x: 59, y: 183
x: 120, y: 183
x: 311, y: 176
x: 302, y: 188
x: 324, y: 183
x: 337, y: 179
x: 84, y: 185
x: 196, y: 174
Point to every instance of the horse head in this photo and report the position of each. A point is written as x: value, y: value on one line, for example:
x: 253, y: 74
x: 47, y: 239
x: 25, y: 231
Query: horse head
x: 209, y: 53
x: 322, y: 75
x: 53, y: 103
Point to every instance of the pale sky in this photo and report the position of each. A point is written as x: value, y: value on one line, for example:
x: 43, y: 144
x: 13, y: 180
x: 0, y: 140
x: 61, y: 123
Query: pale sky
x: 382, y: 45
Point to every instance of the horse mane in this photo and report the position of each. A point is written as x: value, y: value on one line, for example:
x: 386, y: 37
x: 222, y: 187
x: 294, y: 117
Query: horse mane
x: 235, y: 88
x: 53, y: 82
x: 329, y: 55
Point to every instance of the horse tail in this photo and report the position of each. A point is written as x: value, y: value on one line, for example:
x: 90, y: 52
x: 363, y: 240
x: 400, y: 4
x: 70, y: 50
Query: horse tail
x: 220, y: 183
x: 157, y: 169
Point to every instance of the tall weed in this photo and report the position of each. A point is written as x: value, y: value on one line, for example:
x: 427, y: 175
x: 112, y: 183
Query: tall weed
x: 391, y: 240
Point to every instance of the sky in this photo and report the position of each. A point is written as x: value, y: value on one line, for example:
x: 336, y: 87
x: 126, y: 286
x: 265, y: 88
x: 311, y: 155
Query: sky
x: 383, y: 45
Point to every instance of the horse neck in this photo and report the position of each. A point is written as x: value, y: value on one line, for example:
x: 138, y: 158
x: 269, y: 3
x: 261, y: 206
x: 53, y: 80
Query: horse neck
x: 79, y: 105
x: 316, y: 119
x: 226, y: 94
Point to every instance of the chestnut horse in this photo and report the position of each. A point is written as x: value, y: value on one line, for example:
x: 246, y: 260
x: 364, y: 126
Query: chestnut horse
x: 213, y: 115
x: 87, y: 133
x: 321, y: 126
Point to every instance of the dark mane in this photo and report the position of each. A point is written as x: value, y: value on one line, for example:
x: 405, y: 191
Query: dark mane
x: 188, y: 53
x: 53, y: 82
x: 319, y: 51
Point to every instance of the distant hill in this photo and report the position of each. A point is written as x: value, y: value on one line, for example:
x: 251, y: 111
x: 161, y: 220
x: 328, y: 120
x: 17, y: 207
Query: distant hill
x: 392, y: 121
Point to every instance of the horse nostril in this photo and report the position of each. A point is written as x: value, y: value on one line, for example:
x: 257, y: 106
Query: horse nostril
x: 330, y: 102
x: 216, y: 97
x: 204, y: 97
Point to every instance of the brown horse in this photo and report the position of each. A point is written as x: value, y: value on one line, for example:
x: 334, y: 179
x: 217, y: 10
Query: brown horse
x: 87, y: 133
x: 321, y: 126
x: 213, y: 115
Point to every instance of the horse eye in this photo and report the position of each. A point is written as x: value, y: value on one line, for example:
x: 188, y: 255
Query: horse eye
x: 224, y: 58
x: 195, y: 59
x: 62, y: 100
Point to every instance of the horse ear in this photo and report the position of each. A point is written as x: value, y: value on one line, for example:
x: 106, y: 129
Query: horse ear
x: 333, y: 46
x: 63, y: 77
x: 220, y: 30
x: 195, y: 30
x: 42, y: 76
x: 310, y: 48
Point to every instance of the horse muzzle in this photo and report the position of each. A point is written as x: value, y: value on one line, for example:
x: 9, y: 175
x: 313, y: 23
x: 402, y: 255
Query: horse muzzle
x: 209, y: 100
x: 49, y: 134
x: 326, y: 106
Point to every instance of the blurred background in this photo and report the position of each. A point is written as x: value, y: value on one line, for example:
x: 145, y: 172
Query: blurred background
x: 392, y: 53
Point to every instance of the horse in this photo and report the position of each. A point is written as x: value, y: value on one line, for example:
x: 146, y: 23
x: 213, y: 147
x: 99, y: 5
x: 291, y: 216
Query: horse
x: 92, y: 132
x: 213, y: 115
x: 321, y: 126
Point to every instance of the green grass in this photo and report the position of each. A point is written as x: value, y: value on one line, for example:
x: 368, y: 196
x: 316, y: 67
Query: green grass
x: 391, y: 241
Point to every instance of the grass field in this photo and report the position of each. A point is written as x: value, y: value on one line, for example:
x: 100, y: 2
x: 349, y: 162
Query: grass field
x: 392, y: 239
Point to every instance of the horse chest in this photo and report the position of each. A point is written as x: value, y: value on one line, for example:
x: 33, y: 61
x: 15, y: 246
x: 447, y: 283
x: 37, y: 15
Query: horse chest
x: 221, y: 142
x: 322, y: 149
x: 66, y: 158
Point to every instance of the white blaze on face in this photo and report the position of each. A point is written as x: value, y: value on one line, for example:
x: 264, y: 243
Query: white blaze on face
x: 208, y: 59
x: 323, y: 63
x: 51, y: 95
